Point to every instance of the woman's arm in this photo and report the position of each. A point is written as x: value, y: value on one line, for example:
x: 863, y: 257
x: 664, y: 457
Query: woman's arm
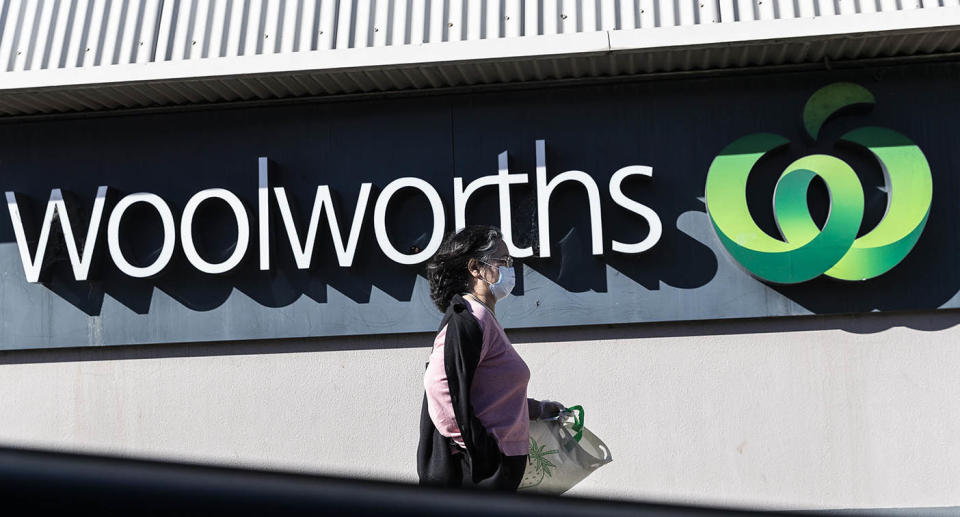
x: 462, y: 350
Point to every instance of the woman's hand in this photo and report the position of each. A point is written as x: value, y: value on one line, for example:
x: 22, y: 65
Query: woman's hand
x: 550, y: 409
x: 543, y: 409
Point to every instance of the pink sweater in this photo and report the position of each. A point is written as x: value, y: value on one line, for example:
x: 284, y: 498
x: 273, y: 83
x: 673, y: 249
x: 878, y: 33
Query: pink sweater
x: 498, y: 394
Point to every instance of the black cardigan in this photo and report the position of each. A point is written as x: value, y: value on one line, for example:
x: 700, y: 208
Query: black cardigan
x: 461, y: 354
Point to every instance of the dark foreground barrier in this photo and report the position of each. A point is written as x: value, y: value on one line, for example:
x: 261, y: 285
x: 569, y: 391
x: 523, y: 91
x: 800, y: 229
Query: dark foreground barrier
x: 36, y: 481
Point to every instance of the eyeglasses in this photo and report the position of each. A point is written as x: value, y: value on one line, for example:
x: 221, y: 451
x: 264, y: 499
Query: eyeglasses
x: 501, y: 261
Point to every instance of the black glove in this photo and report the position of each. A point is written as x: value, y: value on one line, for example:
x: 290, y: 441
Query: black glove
x: 543, y: 409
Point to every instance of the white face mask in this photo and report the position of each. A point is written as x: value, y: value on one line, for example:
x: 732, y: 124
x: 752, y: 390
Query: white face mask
x: 502, y: 287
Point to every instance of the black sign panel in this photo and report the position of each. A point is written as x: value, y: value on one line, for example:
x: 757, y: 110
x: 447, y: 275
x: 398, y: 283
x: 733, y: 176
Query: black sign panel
x: 676, y: 127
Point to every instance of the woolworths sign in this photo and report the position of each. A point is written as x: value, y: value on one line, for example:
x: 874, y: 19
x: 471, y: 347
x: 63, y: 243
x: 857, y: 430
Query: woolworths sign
x: 806, y: 250
x: 302, y: 243
x: 803, y: 251
x: 672, y: 200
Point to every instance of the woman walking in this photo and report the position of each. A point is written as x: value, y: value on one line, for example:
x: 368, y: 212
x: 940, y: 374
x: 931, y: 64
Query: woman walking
x: 475, y: 421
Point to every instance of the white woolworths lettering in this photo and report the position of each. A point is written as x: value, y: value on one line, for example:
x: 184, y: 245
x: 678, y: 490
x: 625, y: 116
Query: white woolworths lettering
x: 303, y: 254
x: 503, y: 179
x: 653, y: 220
x: 380, y: 220
x: 323, y: 199
x: 113, y: 235
x: 263, y: 209
x: 186, y: 231
x: 80, y: 264
x: 302, y: 248
x: 545, y: 188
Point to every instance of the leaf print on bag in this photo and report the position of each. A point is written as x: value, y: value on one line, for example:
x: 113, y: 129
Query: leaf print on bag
x: 537, y: 459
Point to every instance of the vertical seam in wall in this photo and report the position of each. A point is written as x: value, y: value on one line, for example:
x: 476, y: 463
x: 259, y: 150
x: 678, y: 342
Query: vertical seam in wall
x: 453, y: 136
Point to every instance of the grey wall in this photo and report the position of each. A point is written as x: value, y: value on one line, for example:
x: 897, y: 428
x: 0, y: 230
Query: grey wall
x: 810, y: 412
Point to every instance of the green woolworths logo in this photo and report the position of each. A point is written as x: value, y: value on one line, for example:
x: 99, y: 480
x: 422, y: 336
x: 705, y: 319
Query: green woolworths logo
x: 806, y: 250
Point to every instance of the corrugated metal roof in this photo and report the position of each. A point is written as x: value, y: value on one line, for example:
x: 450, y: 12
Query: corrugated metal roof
x: 81, y: 55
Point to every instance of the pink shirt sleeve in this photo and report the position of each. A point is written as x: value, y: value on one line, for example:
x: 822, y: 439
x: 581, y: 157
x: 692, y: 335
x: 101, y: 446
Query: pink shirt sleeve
x: 439, y: 403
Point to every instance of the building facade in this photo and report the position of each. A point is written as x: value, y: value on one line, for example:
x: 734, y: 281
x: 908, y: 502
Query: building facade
x: 735, y: 221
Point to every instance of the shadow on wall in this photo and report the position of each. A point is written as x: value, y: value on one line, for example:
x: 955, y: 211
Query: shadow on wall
x: 867, y: 323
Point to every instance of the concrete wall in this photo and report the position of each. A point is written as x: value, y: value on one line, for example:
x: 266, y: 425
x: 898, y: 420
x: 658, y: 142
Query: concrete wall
x: 854, y: 411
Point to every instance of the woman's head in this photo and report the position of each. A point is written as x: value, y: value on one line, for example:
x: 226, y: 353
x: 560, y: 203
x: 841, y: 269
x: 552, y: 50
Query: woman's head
x: 467, y: 260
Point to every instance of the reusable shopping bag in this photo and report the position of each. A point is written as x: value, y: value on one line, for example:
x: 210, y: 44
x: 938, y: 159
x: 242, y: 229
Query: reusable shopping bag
x: 562, y: 453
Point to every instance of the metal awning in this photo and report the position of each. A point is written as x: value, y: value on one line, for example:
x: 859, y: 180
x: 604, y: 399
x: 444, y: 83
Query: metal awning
x: 92, y: 55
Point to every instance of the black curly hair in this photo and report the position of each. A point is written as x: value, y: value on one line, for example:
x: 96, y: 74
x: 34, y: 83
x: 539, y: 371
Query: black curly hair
x: 447, y: 269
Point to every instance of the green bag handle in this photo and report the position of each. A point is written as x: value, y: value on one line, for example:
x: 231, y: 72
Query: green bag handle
x: 577, y: 426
